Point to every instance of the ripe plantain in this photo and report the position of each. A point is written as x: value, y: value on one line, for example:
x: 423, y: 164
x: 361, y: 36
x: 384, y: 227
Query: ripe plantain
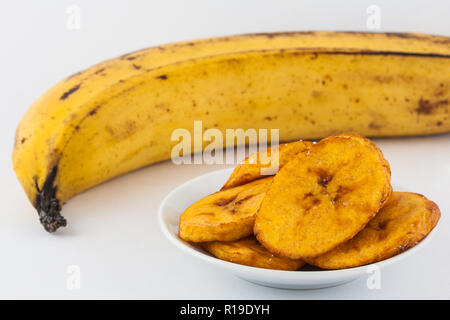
x: 261, y: 164
x: 225, y: 215
x: 324, y: 197
x: 401, y: 224
x: 118, y: 115
x: 251, y: 253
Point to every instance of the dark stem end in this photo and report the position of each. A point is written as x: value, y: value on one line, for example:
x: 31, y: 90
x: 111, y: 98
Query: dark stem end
x: 47, y: 205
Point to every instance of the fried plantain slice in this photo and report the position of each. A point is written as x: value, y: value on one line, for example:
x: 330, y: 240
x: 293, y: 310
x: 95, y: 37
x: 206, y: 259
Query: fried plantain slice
x: 403, y: 222
x: 265, y: 162
x: 251, y: 253
x: 324, y: 197
x: 225, y: 215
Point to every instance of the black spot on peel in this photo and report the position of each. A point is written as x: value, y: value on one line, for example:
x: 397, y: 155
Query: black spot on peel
x: 439, y: 123
x: 23, y: 140
x: 99, y: 70
x: 162, y: 77
x: 427, y: 107
x: 130, y: 58
x: 66, y: 94
x: 374, y: 126
x: 137, y: 67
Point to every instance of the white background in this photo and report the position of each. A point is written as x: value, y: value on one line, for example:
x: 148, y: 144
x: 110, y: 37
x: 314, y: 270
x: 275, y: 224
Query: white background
x: 113, y: 234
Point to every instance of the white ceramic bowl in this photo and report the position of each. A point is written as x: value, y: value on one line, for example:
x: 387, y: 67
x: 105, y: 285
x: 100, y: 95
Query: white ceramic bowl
x: 183, y: 196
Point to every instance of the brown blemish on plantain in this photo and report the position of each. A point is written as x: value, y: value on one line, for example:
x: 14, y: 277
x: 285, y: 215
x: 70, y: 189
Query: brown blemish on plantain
x: 99, y: 71
x: 239, y: 202
x: 324, y: 177
x: 341, y: 191
x: 207, y: 214
x: 162, y: 77
x: 23, y: 140
x: 309, y: 201
x: 383, y: 79
x: 110, y: 130
x: 223, y: 202
x: 439, y: 123
x: 374, y: 126
x: 316, y: 93
x: 66, y: 94
x: 130, y: 127
x: 426, y: 107
x: 137, y: 67
x: 383, y: 224
x: 307, y: 195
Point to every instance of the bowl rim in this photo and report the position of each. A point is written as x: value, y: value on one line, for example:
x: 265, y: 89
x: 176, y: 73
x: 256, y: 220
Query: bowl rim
x: 322, y: 274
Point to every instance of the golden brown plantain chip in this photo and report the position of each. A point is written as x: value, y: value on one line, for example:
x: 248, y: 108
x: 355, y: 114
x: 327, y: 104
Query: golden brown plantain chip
x: 251, y: 253
x: 324, y: 197
x: 403, y: 222
x: 266, y: 162
x: 225, y: 215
